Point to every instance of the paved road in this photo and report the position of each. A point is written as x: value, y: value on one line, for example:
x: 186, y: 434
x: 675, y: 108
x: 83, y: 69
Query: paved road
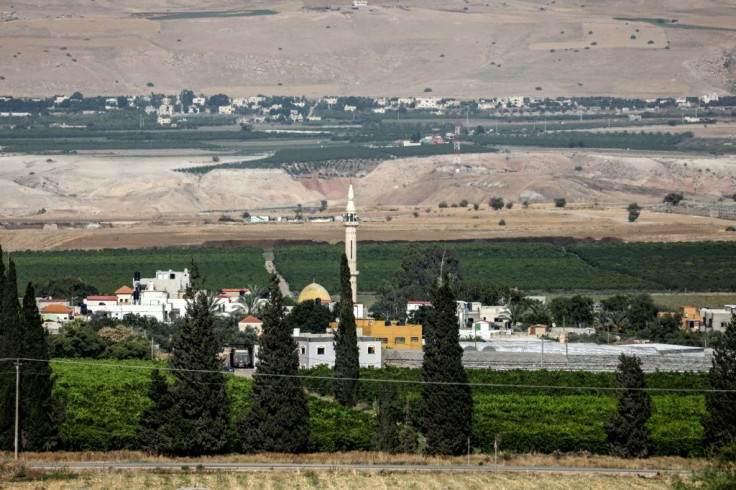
x: 346, y: 467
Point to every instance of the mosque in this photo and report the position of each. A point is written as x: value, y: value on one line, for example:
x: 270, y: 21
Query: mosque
x: 391, y: 334
x: 317, y: 293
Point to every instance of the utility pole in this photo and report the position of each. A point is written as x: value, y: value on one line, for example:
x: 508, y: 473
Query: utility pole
x: 17, y: 396
x: 542, y: 358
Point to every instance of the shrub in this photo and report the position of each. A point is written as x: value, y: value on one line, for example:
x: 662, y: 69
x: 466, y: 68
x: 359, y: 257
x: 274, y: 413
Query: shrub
x: 443, y: 204
x: 502, y: 222
x: 496, y: 203
x: 560, y: 202
x: 673, y: 198
x: 463, y: 203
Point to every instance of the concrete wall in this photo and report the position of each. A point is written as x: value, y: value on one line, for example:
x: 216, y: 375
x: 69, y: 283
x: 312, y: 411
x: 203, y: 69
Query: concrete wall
x: 506, y: 361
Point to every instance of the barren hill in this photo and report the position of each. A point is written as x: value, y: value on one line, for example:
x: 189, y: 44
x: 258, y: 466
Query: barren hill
x: 123, y: 186
x: 460, y: 48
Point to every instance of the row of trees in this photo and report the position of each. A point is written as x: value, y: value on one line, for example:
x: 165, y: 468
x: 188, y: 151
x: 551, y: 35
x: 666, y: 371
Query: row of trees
x: 23, y: 350
x: 191, y: 415
x: 626, y: 429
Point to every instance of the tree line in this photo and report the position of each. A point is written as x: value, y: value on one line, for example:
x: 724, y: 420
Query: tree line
x: 191, y: 410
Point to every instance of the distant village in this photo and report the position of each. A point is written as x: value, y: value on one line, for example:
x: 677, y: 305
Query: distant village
x: 174, y: 110
x: 481, y: 327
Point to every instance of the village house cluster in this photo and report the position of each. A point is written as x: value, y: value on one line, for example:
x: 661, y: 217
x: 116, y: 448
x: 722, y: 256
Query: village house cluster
x: 174, y: 110
x: 164, y: 298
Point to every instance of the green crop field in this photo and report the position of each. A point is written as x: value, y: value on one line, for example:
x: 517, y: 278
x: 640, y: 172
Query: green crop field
x: 108, y: 269
x: 214, y: 14
x: 104, y: 400
x: 529, y: 266
x: 697, y: 266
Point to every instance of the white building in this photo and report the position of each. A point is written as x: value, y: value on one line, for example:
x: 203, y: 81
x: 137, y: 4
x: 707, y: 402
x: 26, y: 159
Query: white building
x: 316, y: 349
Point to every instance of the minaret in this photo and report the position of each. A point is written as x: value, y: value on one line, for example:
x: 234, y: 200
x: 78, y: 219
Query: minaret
x: 350, y: 220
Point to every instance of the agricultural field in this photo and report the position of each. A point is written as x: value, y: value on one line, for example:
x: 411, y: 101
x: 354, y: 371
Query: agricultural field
x: 695, y: 266
x: 570, y: 139
x: 109, y: 269
x: 698, y: 266
x: 104, y: 402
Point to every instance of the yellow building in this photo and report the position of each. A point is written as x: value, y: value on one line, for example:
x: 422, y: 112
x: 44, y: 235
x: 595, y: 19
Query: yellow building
x: 393, y: 336
x: 691, y: 318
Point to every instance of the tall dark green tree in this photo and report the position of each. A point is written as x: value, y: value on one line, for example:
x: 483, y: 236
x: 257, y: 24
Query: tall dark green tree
x: 447, y: 403
x: 199, y: 420
x: 720, y: 421
x: 10, y: 348
x: 154, y: 431
x: 626, y: 428
x: 347, y: 364
x: 40, y: 412
x: 278, y: 418
x: 387, y: 420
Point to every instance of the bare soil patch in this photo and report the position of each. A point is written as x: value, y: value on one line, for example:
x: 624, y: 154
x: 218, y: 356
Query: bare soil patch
x: 456, y: 48
x: 98, y: 201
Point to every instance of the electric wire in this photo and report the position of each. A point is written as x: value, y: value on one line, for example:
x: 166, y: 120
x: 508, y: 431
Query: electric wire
x: 394, y: 381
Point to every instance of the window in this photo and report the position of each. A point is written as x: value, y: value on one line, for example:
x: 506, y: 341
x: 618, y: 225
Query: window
x: 371, y: 349
x: 383, y: 340
x: 172, y: 276
x: 415, y: 339
x: 302, y: 350
x: 321, y: 350
x: 400, y: 340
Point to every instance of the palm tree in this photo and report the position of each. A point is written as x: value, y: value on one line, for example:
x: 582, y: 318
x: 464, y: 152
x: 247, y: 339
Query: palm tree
x: 515, y: 312
x: 250, y: 303
x: 616, y: 319
x: 538, y: 312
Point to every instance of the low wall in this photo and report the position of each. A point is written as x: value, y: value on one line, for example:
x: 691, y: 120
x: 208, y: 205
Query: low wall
x: 507, y: 361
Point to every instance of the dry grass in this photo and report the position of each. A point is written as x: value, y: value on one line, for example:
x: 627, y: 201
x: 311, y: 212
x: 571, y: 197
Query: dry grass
x: 337, y: 480
x: 580, y: 460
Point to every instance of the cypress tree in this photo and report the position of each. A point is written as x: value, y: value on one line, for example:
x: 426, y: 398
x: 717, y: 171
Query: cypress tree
x: 626, y: 429
x: 278, y: 418
x: 447, y: 403
x: 40, y: 413
x: 720, y: 422
x: 199, y: 421
x: 154, y: 433
x: 387, y: 420
x: 11, y: 339
x: 347, y: 364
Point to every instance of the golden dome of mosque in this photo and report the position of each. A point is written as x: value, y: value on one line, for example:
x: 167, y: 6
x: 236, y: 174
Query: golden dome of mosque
x: 314, y: 291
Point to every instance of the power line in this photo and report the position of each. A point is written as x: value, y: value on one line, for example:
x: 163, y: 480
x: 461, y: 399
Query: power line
x: 396, y: 381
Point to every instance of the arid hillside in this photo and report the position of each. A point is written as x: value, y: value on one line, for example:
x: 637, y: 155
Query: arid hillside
x: 459, y: 48
x: 136, y: 187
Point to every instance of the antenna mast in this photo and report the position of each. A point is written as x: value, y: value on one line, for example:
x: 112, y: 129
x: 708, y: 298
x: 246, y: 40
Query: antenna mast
x: 456, y: 147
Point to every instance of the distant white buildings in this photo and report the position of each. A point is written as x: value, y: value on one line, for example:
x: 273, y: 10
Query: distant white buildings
x: 317, y: 349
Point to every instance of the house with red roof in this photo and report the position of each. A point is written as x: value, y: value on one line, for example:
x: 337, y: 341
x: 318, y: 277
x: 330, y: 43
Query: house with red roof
x: 250, y: 321
x: 56, y: 312
x: 125, y: 295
